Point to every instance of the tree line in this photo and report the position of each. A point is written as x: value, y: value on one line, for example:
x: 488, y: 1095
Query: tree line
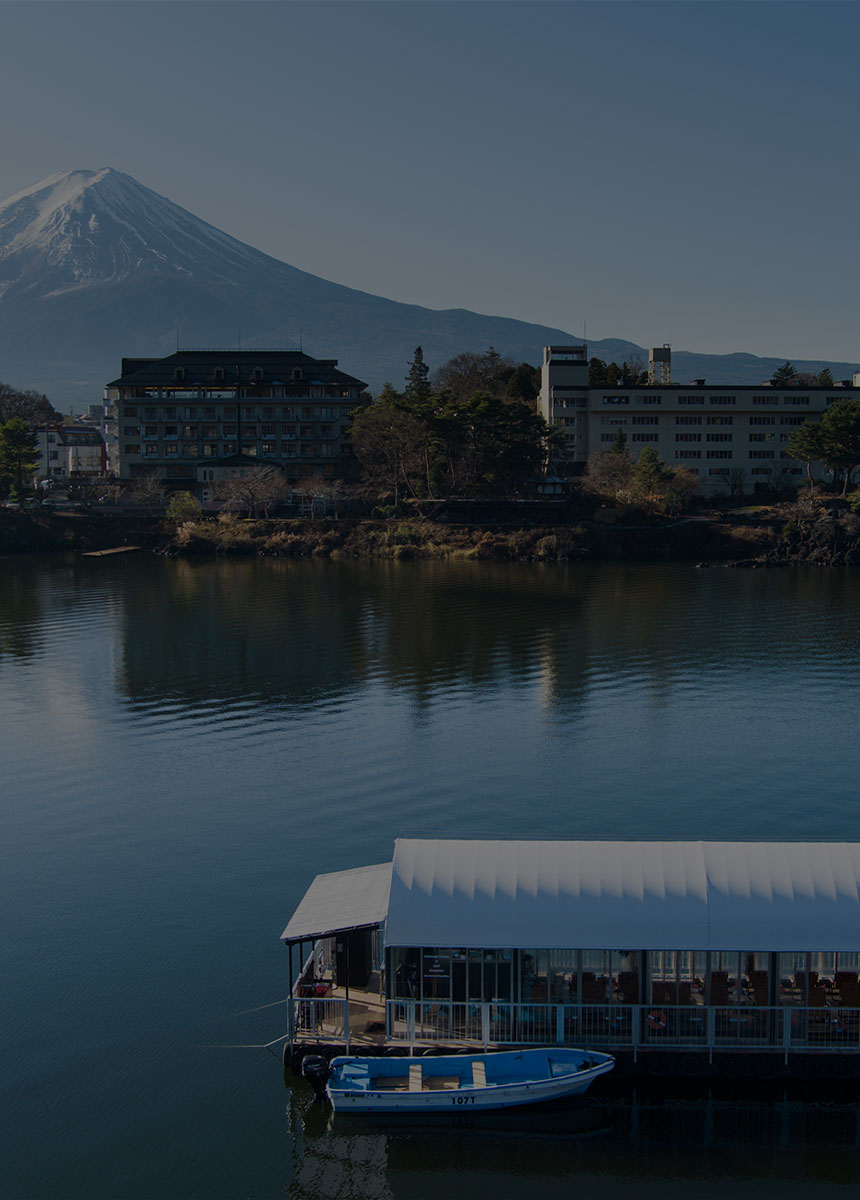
x: 469, y: 430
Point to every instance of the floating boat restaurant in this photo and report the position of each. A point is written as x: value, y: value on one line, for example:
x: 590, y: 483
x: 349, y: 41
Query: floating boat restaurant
x: 699, y: 947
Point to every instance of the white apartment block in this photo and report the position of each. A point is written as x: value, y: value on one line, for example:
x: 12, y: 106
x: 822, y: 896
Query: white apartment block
x: 70, y: 452
x: 714, y: 430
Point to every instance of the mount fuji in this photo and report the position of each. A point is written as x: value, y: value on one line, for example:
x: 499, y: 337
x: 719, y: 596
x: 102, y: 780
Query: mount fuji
x: 94, y: 266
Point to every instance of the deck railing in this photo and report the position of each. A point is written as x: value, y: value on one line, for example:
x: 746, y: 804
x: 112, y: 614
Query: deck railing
x: 637, y: 1027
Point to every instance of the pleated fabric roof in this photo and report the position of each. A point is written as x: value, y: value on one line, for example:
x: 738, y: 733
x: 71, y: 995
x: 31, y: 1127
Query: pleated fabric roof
x: 625, y: 895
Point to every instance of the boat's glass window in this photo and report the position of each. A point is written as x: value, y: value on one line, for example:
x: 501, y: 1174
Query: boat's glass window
x: 437, y: 973
x: 596, y: 968
x: 624, y: 988
x: 677, y: 977
x: 406, y: 973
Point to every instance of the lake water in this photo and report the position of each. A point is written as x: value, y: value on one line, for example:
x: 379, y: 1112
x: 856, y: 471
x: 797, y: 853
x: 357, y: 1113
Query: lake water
x: 184, y: 745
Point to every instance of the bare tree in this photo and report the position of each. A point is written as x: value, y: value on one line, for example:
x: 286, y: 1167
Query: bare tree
x: 255, y: 491
x: 147, y: 490
x: 30, y: 406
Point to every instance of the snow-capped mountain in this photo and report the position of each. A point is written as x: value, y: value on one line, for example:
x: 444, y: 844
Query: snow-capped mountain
x: 94, y: 266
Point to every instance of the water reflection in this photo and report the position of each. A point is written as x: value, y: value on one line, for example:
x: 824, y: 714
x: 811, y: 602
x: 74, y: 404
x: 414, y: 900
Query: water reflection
x: 662, y: 1145
x: 290, y: 634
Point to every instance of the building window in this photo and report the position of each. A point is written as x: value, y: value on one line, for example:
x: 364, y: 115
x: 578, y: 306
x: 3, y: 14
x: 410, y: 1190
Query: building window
x: 721, y: 400
x: 719, y: 454
x: 229, y: 447
x: 762, y: 454
x: 761, y: 470
x: 286, y: 414
x: 644, y: 420
x: 698, y: 399
x: 179, y: 374
x: 796, y: 400
x: 288, y: 449
x: 616, y: 399
x: 131, y: 410
x: 250, y: 449
x: 688, y: 420
x: 297, y: 374
x: 210, y: 432
x: 134, y: 448
x: 688, y: 437
x: 718, y: 470
x: 268, y: 449
x: 169, y: 413
x: 151, y: 451
x: 719, y: 437
x: 645, y: 437
x: 249, y: 431
x: 53, y: 455
x: 257, y: 374
x: 218, y: 374
x: 721, y: 420
x: 129, y: 431
x: 228, y: 412
x: 762, y: 420
x: 613, y: 420
x: 607, y: 437
x: 171, y: 450
x: 307, y: 412
x: 688, y: 454
x: 268, y: 430
x: 210, y: 450
x: 791, y: 420
x: 229, y: 431
x: 326, y: 431
x: 761, y: 437
x: 150, y: 414
x: 288, y: 431
x: 765, y: 399
x: 308, y: 450
x: 249, y: 412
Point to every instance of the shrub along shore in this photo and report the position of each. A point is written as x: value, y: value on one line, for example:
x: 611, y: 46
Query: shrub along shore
x: 802, y: 532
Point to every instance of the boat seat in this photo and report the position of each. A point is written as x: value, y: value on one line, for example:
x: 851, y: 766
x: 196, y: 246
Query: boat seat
x: 415, y: 1077
x: 390, y: 1083
x: 441, y: 1083
x: 479, y: 1074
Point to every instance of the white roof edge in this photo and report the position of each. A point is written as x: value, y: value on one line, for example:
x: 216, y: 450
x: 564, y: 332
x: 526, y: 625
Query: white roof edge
x: 340, y: 901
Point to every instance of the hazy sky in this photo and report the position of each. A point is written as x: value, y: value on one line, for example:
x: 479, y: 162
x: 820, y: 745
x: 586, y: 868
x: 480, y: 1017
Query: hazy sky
x: 684, y: 172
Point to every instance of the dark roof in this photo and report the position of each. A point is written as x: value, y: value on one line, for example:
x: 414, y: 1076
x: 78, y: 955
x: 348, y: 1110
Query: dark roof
x: 237, y: 365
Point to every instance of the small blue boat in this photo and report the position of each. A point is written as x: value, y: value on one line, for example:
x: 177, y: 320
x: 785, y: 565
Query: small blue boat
x: 462, y: 1081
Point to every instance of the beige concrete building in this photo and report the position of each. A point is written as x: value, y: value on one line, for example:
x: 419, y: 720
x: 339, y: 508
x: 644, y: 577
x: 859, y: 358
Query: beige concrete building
x: 729, y: 435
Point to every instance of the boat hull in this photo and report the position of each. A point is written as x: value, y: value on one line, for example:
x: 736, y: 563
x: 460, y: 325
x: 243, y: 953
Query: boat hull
x: 464, y: 1098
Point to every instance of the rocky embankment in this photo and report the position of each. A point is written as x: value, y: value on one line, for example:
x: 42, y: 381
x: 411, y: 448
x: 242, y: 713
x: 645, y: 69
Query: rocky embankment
x: 826, y: 537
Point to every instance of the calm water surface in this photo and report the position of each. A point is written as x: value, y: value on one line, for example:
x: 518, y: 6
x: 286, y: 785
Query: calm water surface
x: 184, y: 745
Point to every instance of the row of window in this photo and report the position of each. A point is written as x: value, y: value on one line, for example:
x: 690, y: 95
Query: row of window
x: 230, y: 412
x: 213, y: 432
x: 216, y: 450
x: 616, y: 419
x: 704, y: 398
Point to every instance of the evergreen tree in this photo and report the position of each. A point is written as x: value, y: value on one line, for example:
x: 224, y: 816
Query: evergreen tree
x: 417, y: 391
x: 596, y: 372
x: 806, y: 444
x: 840, y: 437
x: 825, y: 379
x: 784, y: 376
x: 19, y: 454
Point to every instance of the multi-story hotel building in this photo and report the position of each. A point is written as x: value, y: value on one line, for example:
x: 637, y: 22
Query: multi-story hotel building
x: 187, y: 417
x: 69, y: 453
x: 715, y: 430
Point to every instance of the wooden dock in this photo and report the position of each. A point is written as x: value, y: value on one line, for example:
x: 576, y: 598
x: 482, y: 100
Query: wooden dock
x: 113, y: 550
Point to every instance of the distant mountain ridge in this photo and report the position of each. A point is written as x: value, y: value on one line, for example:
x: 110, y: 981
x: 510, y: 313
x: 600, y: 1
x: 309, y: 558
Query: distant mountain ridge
x: 94, y: 266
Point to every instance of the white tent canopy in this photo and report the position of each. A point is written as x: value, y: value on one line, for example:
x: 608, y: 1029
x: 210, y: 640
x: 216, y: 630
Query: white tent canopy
x: 341, y: 901
x: 778, y: 896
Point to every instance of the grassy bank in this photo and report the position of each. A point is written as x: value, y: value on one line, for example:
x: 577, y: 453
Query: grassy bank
x: 785, y: 534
